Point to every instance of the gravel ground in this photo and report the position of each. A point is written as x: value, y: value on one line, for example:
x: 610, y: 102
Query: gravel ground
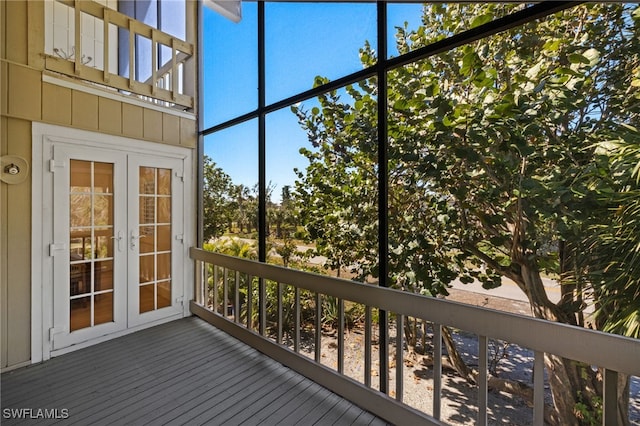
x: 459, y: 406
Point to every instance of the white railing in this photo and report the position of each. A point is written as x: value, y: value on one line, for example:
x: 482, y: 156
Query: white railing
x: 162, y: 83
x: 232, y: 293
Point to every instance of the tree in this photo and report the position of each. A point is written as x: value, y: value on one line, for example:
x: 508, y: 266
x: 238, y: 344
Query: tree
x: 216, y: 197
x: 488, y: 144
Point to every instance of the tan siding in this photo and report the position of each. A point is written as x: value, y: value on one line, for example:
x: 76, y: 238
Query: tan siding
x: 188, y: 135
x: 18, y: 259
x: 171, y: 129
x: 56, y: 104
x: 84, y: 110
x: 16, y: 31
x: 4, y: 84
x: 110, y: 115
x: 132, y: 121
x: 25, y: 92
x: 152, y: 125
x: 3, y: 251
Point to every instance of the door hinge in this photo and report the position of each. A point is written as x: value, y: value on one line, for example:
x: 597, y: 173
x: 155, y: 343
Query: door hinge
x: 55, y: 330
x: 180, y: 300
x: 53, y: 248
x: 180, y: 175
x: 53, y: 164
x: 180, y: 237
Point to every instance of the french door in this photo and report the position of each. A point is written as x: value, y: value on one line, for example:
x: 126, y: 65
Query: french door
x: 117, y: 235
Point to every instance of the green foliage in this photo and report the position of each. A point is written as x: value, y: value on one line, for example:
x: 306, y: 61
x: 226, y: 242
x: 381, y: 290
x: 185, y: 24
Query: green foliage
x: 488, y: 147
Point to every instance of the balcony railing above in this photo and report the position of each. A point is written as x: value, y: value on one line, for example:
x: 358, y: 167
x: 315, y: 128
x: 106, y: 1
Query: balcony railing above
x: 103, y: 46
x: 235, y: 295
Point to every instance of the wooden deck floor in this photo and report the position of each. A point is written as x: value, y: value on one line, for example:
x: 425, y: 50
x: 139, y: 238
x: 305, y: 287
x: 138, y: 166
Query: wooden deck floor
x: 183, y: 372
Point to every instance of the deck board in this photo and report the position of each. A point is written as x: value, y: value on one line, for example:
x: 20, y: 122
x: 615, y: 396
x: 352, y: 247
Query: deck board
x: 183, y: 372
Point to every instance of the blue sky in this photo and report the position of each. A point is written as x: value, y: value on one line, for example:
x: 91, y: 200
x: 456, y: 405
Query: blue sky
x: 302, y: 40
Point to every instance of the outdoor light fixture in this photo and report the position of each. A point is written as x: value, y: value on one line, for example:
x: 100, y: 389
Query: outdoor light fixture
x: 14, y: 169
x: 230, y: 9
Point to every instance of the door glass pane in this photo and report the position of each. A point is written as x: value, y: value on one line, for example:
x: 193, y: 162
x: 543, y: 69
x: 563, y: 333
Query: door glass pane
x: 80, y: 313
x: 103, y: 209
x: 147, y: 180
x: 103, y: 176
x: 91, y: 236
x: 147, y: 210
x: 103, y: 273
x: 164, y: 210
x: 147, y: 298
x: 103, y: 243
x: 164, y: 238
x: 103, y: 308
x: 147, y: 268
x: 154, y: 200
x: 147, y: 239
x: 164, y: 181
x: 164, y: 294
x: 80, y: 210
x: 81, y: 177
x: 164, y: 266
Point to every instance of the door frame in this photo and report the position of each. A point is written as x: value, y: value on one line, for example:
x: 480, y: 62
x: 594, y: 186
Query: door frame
x: 44, y: 136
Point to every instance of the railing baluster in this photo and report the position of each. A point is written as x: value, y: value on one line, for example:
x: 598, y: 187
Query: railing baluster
x: 225, y: 293
x: 77, y: 39
x: 296, y: 322
x: 340, y: 336
x: 610, y: 398
x: 538, y: 388
x: 236, y: 299
x: 279, y: 307
x: 399, y: 356
x: 318, y: 335
x: 437, y: 369
x: 250, y: 303
x: 132, y: 52
x: 215, y: 288
x: 367, y: 346
x: 482, y: 380
x: 262, y: 307
x: 105, y: 44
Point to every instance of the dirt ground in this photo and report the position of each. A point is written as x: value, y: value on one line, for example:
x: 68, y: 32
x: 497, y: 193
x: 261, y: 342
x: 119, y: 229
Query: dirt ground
x: 459, y: 398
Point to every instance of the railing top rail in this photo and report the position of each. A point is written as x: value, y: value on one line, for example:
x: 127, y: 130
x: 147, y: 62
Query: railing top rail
x: 617, y: 353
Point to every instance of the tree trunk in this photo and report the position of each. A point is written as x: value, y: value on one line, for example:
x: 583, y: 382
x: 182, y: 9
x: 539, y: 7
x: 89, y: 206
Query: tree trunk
x: 454, y: 357
x: 576, y: 388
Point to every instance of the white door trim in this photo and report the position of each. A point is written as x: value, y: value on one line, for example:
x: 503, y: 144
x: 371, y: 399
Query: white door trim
x: 44, y: 136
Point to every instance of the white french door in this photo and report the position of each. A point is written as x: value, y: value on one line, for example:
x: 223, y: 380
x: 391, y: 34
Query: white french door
x: 117, y: 241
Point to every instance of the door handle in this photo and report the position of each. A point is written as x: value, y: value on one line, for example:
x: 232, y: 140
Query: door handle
x: 134, y: 239
x: 119, y: 238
